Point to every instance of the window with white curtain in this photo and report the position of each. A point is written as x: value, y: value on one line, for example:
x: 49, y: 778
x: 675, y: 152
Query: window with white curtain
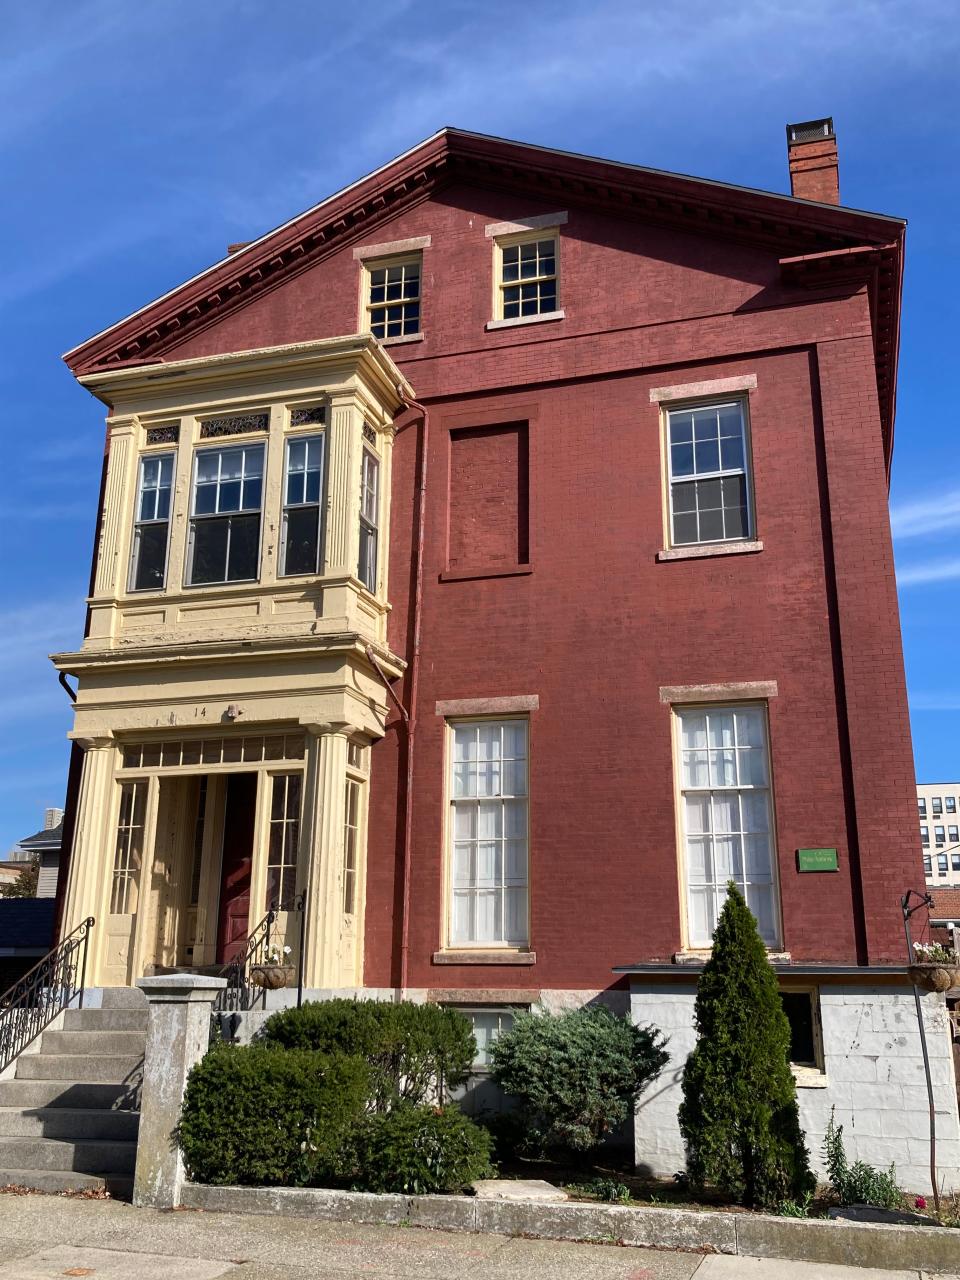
x: 488, y: 834
x: 726, y: 817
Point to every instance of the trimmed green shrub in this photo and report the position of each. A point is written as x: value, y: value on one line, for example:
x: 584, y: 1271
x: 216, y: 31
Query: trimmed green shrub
x: 858, y: 1183
x: 416, y: 1052
x: 576, y: 1075
x: 419, y: 1151
x: 253, y: 1116
x: 739, y: 1116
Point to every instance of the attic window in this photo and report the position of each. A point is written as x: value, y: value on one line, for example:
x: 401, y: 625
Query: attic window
x: 392, y: 296
x: 527, y: 284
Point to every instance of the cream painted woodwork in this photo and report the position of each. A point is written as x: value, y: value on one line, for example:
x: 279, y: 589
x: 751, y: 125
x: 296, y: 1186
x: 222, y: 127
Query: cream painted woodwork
x: 278, y: 655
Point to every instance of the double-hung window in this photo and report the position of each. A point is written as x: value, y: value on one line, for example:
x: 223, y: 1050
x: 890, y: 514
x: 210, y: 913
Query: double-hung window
x: 941, y: 864
x: 225, y: 514
x: 937, y: 806
x: 488, y: 834
x: 951, y: 803
x: 303, y: 485
x: 369, y: 519
x: 527, y: 276
x: 393, y: 297
x: 151, y: 530
x: 925, y: 836
x: 953, y: 835
x: 726, y: 817
x: 922, y: 807
x: 940, y: 835
x: 707, y: 458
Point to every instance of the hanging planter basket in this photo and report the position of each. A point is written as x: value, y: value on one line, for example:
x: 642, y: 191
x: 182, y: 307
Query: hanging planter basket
x: 271, y: 976
x: 935, y: 977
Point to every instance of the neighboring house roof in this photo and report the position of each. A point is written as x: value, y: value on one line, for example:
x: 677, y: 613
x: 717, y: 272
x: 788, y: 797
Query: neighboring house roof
x: 47, y: 841
x: 946, y: 904
x: 26, y: 924
x: 818, y: 245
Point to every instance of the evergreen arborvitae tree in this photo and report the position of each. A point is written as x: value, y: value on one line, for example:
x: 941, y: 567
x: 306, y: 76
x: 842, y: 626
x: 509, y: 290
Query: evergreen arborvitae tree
x: 739, y: 1116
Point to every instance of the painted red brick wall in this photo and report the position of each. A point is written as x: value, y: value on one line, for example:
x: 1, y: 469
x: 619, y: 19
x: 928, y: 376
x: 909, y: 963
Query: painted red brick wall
x: 599, y: 624
x: 487, y: 515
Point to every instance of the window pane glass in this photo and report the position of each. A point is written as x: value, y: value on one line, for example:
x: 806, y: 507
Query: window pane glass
x: 151, y: 556
x: 210, y: 550
x: 302, y: 540
x: 244, y: 548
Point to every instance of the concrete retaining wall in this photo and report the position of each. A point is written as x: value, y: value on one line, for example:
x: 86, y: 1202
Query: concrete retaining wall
x: 753, y: 1235
x: 873, y: 1077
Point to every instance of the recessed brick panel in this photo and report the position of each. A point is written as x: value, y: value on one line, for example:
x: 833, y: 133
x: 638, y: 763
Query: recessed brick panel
x: 489, y: 497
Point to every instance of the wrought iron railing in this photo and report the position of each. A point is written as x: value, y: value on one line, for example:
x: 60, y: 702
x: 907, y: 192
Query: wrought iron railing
x: 247, y: 976
x: 51, y: 986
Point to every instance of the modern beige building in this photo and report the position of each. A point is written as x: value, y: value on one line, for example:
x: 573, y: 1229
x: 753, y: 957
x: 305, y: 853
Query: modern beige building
x: 231, y: 680
x: 938, y: 808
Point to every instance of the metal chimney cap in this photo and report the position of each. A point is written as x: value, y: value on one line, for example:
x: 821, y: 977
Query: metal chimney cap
x: 810, y: 131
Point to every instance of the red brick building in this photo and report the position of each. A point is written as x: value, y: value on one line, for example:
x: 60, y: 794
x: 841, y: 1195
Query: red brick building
x: 618, y: 524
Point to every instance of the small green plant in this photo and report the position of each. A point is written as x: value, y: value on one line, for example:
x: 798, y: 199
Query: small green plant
x: 796, y: 1208
x: 857, y: 1183
x: 739, y: 1115
x: 416, y: 1053
x: 606, y: 1189
x: 418, y: 1151
x: 253, y: 1116
x: 577, y: 1075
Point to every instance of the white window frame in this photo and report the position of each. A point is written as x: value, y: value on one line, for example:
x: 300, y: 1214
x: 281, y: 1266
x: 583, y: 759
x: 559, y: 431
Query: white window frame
x: 370, y: 310
x: 287, y: 506
x: 501, y: 944
x: 289, y: 822
x: 691, y: 942
x: 354, y: 833
x: 370, y: 502
x: 194, y: 518
x: 479, y: 1067
x: 500, y: 285
x: 694, y: 406
x: 147, y: 455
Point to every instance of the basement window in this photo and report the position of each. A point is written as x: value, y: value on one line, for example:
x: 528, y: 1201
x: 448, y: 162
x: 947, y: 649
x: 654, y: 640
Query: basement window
x: 803, y: 1014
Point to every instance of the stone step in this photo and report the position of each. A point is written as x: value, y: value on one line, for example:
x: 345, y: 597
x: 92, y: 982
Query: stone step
x: 54, y: 1181
x: 102, y: 1044
x: 123, y: 998
x: 69, y: 1123
x: 70, y: 1094
x: 79, y: 1155
x: 105, y: 1020
x: 77, y: 1067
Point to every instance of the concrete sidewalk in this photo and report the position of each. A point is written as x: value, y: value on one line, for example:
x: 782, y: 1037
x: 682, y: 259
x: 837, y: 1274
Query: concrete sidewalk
x: 46, y: 1238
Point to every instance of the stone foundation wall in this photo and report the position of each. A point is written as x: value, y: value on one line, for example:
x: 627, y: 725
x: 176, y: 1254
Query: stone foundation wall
x: 873, y: 1077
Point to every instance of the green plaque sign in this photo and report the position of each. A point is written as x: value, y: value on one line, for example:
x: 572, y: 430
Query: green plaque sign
x: 817, y: 860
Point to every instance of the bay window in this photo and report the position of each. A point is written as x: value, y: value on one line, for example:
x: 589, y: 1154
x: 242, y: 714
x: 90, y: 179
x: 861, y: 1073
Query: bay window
x: 726, y: 817
x: 488, y: 834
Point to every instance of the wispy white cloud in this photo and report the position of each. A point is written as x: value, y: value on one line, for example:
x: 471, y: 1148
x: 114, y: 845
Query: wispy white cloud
x: 924, y: 516
x: 913, y: 575
x: 935, y: 700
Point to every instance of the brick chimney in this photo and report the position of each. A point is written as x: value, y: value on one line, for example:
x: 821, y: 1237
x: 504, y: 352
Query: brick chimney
x: 812, y: 152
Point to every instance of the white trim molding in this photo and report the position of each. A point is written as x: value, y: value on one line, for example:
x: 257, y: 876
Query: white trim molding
x: 694, y: 390
x: 391, y: 247
x: 727, y: 691
x: 488, y: 706
x: 536, y: 222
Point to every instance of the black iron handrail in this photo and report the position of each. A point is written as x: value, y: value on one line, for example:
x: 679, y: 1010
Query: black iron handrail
x: 44, y: 991
x: 242, y: 992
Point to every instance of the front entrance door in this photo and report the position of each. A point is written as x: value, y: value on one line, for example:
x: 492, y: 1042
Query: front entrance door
x: 237, y: 865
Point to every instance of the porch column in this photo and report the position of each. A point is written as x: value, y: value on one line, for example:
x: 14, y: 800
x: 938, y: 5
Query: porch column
x: 90, y: 855
x: 323, y: 818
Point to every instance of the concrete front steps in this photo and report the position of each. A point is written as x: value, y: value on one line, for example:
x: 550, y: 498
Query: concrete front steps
x: 70, y: 1115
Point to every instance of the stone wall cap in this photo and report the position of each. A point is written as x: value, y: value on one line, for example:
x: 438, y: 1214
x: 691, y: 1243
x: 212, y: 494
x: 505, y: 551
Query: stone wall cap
x: 181, y: 987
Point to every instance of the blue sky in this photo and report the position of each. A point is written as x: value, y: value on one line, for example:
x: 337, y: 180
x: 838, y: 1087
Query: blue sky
x: 137, y: 140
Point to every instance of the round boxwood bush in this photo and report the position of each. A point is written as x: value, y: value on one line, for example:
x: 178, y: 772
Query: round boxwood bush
x: 419, y: 1151
x: 253, y: 1116
x: 416, y: 1052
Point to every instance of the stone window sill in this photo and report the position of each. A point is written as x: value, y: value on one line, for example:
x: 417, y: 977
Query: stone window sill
x: 702, y: 955
x: 404, y: 337
x: 709, y: 549
x: 463, y: 575
x: 484, y: 957
x: 809, y: 1077
x: 516, y: 321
